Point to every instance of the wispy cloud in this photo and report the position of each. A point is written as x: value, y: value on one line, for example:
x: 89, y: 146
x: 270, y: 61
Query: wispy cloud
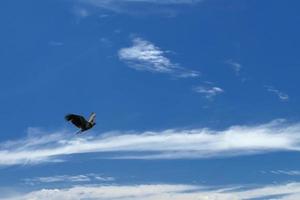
x: 168, y: 144
x: 81, y: 12
x: 127, y: 6
x: 290, y: 191
x: 286, y: 172
x: 144, y: 55
x: 101, y: 2
x: 235, y: 66
x: 208, y: 91
x: 55, y: 43
x: 68, y: 178
x: 281, y: 95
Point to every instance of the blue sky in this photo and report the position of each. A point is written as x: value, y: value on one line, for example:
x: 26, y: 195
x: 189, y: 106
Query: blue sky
x: 195, y: 99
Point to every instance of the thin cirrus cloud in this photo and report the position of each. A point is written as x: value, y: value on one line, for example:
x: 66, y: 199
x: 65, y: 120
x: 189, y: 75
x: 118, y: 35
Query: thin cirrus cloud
x: 235, y: 66
x: 169, y: 144
x: 281, y: 95
x: 145, y: 56
x: 68, y: 179
x: 81, y: 12
x: 127, y: 6
x: 208, y: 91
x: 106, y: 2
x: 289, y: 191
x: 286, y: 172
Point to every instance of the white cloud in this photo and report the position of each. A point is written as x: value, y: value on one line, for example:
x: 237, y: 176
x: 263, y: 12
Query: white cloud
x: 208, y: 91
x: 123, y: 6
x: 282, y: 96
x: 290, y: 191
x: 81, y: 12
x: 145, y: 56
x: 168, y: 144
x: 235, y: 66
x: 101, y: 2
x: 55, y: 43
x: 68, y: 178
x: 286, y: 172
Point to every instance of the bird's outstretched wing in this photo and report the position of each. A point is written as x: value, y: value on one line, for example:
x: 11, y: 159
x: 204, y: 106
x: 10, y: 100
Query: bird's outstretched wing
x: 92, y: 118
x: 77, y: 120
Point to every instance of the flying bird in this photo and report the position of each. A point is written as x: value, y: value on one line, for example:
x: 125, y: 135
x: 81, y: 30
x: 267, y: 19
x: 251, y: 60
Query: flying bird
x: 80, y: 122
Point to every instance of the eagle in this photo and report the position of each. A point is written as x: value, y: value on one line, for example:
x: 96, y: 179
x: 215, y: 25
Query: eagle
x: 80, y: 122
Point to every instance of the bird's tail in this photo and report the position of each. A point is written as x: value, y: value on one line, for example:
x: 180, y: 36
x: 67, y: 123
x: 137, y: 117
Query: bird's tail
x: 92, y: 118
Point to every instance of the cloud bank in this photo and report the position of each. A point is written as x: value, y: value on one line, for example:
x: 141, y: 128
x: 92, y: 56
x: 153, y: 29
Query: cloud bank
x: 290, y: 191
x: 145, y: 56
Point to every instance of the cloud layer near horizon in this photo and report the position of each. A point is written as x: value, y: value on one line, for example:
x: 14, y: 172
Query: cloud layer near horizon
x: 168, y: 144
x: 290, y: 191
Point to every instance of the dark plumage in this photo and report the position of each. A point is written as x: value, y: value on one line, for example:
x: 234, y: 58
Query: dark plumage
x: 81, y: 122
